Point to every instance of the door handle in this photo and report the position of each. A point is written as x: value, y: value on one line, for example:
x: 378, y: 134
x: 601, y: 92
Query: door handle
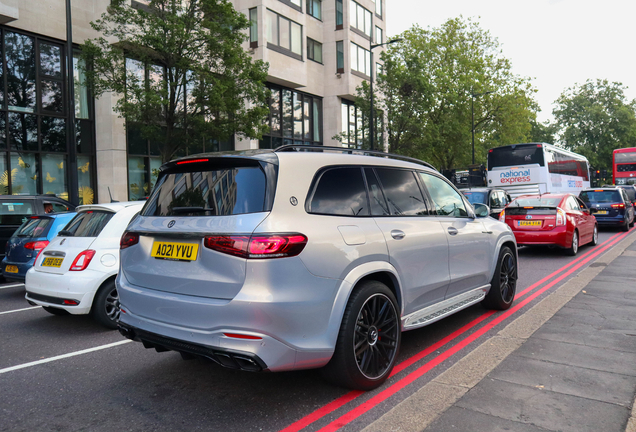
x: 397, y: 234
x: 452, y: 230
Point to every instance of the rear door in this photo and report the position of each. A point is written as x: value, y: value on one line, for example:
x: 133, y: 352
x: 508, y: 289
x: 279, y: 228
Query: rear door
x: 471, y: 246
x: 220, y: 198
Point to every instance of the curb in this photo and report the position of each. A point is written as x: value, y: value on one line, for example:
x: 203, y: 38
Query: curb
x: 418, y: 411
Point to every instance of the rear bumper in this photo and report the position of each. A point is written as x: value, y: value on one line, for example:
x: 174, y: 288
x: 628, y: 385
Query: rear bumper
x: 23, y: 268
x: 555, y: 237
x: 612, y: 220
x: 48, y: 289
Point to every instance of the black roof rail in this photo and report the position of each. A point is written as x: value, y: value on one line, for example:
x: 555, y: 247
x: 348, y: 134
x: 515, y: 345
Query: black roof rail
x: 301, y: 147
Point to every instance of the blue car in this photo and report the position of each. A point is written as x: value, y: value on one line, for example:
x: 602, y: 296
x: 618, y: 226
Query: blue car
x: 610, y: 206
x: 26, y: 243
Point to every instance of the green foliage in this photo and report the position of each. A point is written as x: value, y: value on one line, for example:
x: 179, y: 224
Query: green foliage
x: 594, y: 119
x: 201, y: 84
x: 543, y: 132
x: 427, y: 88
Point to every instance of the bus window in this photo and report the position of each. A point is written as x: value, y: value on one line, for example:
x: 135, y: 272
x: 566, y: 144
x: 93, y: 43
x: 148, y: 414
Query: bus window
x: 515, y: 155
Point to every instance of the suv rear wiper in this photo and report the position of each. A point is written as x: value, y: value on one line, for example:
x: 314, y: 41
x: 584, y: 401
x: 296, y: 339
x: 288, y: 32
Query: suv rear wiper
x: 65, y: 233
x: 189, y: 210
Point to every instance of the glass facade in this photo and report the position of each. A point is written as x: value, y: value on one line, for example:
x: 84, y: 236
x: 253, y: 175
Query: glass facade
x: 294, y: 118
x: 34, y: 142
x: 353, y: 131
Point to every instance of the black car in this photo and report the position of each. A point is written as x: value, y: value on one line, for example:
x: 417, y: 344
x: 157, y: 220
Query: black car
x: 496, y: 199
x: 15, y: 209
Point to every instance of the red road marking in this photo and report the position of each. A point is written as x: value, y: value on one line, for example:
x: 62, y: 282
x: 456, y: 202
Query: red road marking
x: 350, y: 396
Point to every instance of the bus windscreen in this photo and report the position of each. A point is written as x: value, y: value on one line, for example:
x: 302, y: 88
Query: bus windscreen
x: 625, y: 157
x: 522, y: 154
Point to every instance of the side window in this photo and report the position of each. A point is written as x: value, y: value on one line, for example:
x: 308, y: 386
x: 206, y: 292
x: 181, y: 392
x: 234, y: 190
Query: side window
x: 378, y: 203
x: 403, y: 194
x: 447, y: 200
x: 572, y: 204
x: 581, y: 204
x: 495, y: 199
x: 59, y: 208
x: 340, y: 192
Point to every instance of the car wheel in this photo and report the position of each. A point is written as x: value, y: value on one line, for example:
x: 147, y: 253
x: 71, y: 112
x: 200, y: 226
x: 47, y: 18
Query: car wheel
x: 632, y: 224
x: 574, y: 249
x: 105, y: 308
x: 504, y: 282
x: 625, y: 226
x: 595, y: 236
x: 369, y: 339
x: 55, y: 311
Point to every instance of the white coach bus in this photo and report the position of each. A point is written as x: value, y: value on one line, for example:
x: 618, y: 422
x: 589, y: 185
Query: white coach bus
x: 535, y: 168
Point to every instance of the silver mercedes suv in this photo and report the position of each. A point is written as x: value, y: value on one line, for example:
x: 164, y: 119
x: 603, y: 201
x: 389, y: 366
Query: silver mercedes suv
x: 306, y: 257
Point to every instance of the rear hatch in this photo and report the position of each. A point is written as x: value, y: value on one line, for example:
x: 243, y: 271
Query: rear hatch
x: 77, y: 237
x: 604, y: 203
x: 13, y: 213
x: 533, y: 213
x: 29, y: 239
x: 223, y: 198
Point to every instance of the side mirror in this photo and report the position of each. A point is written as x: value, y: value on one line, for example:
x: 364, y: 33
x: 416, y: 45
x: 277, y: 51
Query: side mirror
x: 481, y: 210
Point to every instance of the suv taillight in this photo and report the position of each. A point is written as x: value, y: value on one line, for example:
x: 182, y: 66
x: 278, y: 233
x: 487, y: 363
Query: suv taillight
x: 561, y: 217
x: 502, y: 216
x: 618, y: 206
x: 83, y: 260
x: 258, y: 246
x: 128, y: 239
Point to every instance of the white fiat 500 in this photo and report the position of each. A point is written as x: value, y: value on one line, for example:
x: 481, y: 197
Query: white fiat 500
x: 76, y: 272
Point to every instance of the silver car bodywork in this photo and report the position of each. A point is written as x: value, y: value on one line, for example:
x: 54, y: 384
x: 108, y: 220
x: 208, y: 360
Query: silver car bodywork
x: 293, y: 307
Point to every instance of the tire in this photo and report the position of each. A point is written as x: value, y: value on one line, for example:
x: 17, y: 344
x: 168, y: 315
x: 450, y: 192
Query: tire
x: 105, y: 309
x: 362, y: 360
x: 55, y: 311
x: 594, y: 241
x: 574, y: 249
x: 632, y: 224
x: 626, y: 226
x: 504, y: 282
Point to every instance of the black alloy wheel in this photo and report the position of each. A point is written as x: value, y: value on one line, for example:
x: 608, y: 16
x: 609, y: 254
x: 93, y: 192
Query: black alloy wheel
x: 504, y: 282
x: 105, y: 307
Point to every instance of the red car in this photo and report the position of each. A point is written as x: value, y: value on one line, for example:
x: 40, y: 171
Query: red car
x: 551, y: 219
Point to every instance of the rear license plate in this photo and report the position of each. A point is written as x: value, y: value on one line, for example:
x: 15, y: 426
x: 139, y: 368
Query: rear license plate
x: 529, y: 223
x: 600, y: 212
x: 11, y: 269
x: 175, y: 251
x: 52, y: 262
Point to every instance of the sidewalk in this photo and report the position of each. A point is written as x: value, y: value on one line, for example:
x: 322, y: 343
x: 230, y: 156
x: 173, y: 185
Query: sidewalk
x: 567, y: 364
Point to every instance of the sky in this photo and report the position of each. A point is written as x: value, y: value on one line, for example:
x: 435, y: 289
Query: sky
x: 557, y: 43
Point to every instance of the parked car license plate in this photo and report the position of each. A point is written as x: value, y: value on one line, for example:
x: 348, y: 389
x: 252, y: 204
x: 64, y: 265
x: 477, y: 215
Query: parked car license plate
x: 529, y: 223
x: 600, y: 212
x: 11, y: 269
x: 175, y: 251
x: 52, y: 262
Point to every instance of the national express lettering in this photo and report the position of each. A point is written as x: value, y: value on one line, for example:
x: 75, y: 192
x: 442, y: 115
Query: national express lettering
x: 518, y: 176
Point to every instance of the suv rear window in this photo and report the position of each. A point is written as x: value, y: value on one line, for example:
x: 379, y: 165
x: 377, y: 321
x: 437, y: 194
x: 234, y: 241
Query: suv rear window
x: 340, y: 192
x: 221, y: 192
x: 87, y: 224
x: 609, y: 196
x: 13, y: 212
x: 33, y: 228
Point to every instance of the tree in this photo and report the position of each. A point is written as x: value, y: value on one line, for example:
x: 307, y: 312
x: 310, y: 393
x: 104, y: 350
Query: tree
x: 426, y: 89
x: 181, y: 69
x: 595, y: 118
x: 543, y: 132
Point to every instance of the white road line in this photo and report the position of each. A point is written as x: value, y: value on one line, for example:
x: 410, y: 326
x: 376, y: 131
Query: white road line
x: 63, y: 356
x: 20, y: 310
x: 11, y: 286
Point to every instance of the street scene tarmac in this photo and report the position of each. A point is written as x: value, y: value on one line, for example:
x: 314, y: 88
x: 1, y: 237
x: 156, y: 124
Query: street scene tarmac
x: 554, y: 361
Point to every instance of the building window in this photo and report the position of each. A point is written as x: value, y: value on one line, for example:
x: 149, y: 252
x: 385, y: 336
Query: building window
x: 284, y: 35
x: 253, y: 28
x: 360, y: 18
x: 378, y: 35
x: 378, y: 8
x: 353, y: 133
x: 34, y: 140
x: 296, y: 4
x: 360, y: 59
x: 339, y: 57
x: 294, y: 118
x: 314, y: 50
x: 314, y: 8
x: 339, y: 15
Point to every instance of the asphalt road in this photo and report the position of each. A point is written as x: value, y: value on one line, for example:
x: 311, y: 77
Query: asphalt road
x: 67, y: 373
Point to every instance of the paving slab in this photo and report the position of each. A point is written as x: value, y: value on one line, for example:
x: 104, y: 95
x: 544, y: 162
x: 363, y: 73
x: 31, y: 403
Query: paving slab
x: 567, y: 379
x: 542, y: 408
x: 462, y: 419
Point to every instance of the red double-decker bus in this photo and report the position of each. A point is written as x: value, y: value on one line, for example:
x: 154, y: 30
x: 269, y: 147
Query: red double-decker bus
x: 624, y: 166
